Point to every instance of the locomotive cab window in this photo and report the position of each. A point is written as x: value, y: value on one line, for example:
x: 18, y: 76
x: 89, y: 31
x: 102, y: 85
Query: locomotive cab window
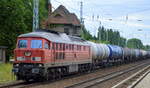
x: 36, y: 43
x: 22, y: 44
x: 46, y: 45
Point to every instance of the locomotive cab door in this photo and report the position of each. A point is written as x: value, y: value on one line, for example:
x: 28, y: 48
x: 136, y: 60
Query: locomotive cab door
x: 48, y: 51
x: 53, y: 53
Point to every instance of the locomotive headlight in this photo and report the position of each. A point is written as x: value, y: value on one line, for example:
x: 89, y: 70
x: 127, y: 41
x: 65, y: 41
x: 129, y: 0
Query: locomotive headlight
x: 27, y: 53
x: 36, y: 58
x: 40, y: 65
x: 20, y: 58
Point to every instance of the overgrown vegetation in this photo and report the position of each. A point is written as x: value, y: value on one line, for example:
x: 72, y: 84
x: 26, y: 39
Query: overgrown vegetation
x: 6, y: 73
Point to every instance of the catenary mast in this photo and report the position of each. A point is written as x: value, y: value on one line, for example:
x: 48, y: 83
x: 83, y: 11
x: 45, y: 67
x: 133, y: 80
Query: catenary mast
x: 35, y: 15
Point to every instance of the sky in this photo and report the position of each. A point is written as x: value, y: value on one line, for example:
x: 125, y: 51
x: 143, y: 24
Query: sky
x: 130, y: 17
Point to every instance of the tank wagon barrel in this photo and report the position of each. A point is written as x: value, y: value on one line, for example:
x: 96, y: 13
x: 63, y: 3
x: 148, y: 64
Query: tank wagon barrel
x: 99, y: 51
x: 115, y: 51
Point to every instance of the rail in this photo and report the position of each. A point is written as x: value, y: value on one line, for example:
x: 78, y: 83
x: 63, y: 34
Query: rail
x: 97, y: 80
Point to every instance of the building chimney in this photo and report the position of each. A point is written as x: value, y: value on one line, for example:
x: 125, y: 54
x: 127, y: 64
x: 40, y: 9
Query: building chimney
x: 49, y: 7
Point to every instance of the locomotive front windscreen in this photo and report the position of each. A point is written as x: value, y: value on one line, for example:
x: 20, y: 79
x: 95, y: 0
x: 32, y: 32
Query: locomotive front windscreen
x: 22, y: 44
x: 33, y: 44
x: 36, y: 43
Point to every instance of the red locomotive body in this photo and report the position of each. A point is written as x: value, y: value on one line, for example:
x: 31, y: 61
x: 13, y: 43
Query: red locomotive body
x: 49, y: 55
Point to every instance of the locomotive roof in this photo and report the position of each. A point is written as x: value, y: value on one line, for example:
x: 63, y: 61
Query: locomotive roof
x: 56, y: 37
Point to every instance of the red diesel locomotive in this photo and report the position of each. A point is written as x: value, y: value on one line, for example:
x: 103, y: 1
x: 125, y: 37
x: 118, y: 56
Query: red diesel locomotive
x: 46, y: 55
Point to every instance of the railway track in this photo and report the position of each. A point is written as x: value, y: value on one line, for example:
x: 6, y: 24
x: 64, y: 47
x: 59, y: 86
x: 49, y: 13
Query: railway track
x: 18, y: 84
x: 21, y: 84
x: 134, y: 79
x: 98, y: 80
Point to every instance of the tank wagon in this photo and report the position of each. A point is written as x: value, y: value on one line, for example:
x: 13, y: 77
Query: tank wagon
x: 116, y: 53
x: 128, y: 54
x: 46, y: 55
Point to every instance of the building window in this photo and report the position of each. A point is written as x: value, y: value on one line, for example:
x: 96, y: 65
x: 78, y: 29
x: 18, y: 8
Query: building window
x: 75, y: 31
x: 66, y: 30
x: 58, y: 16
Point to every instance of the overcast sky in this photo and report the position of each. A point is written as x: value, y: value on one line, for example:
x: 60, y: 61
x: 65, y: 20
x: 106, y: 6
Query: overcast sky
x: 128, y: 16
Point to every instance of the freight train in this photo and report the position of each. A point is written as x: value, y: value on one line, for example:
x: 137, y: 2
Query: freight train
x: 46, y: 55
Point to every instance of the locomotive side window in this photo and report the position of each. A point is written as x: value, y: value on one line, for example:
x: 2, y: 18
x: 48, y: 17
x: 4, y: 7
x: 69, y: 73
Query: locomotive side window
x: 46, y: 45
x: 80, y: 48
x: 60, y: 47
x: 63, y: 46
x: 69, y: 46
x: 22, y: 44
x: 36, y: 43
x: 84, y: 48
x: 66, y: 46
x: 56, y: 46
x: 72, y: 47
x: 77, y: 47
x: 53, y: 46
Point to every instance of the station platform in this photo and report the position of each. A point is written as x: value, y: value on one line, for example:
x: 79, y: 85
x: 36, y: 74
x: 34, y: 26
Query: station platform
x: 140, y: 79
x: 144, y: 83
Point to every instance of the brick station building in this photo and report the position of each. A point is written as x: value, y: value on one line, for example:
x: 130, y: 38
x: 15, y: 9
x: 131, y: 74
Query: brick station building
x: 61, y: 20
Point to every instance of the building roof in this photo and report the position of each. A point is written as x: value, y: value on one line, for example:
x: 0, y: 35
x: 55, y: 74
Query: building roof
x: 62, y: 16
x: 3, y: 47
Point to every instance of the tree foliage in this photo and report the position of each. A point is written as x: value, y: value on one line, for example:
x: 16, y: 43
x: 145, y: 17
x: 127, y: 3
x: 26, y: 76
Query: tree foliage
x: 86, y: 34
x: 135, y: 43
x: 113, y: 37
x: 16, y: 19
x: 109, y: 36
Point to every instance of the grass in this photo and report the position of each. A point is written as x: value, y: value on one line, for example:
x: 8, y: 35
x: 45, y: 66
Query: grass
x: 6, y: 73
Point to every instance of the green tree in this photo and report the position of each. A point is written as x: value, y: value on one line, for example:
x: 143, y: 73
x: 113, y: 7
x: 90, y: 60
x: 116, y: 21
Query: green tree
x: 86, y: 34
x: 147, y: 47
x: 16, y: 19
x: 11, y: 23
x: 101, y: 35
x: 122, y: 42
x: 135, y: 43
